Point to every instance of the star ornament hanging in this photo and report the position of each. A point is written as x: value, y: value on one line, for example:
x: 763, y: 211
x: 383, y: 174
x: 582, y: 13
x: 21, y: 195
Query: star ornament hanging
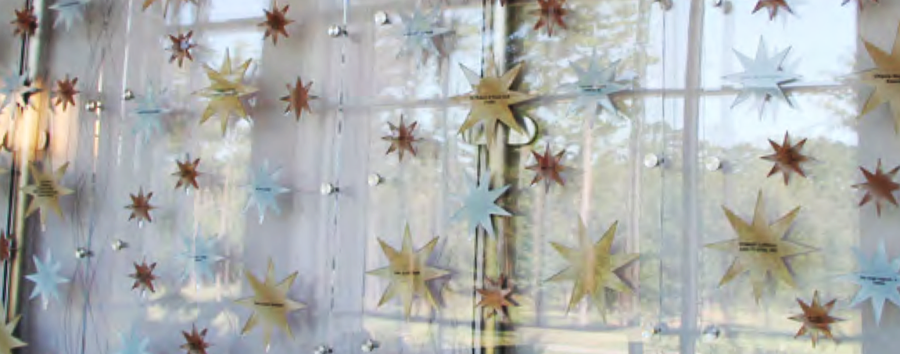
x: 593, y: 267
x: 148, y: 115
x: 181, y: 46
x: 490, y: 100
x: 68, y: 12
x: 548, y: 167
x: 408, y: 273
x: 551, y: 14
x: 46, y: 280
x: 879, y: 186
x: 140, y: 207
x: 270, y: 304
x: 772, y: 6
x: 200, y: 256
x: 479, y: 205
x: 762, y: 76
x: 885, y: 79
x: 420, y: 31
x: 596, y: 86
x: 148, y: 3
x: 187, y: 173
x: 226, y: 91
x: 17, y: 91
x: 816, y: 319
x: 787, y: 158
x: 195, y: 342
x: 65, y: 92
x: 264, y: 191
x: 276, y: 22
x: 496, y: 297
x: 143, y: 276
x: 298, y: 98
x: 26, y: 22
x: 7, y: 341
x: 878, y: 280
x: 46, y: 191
x: 761, y: 248
x: 402, y: 139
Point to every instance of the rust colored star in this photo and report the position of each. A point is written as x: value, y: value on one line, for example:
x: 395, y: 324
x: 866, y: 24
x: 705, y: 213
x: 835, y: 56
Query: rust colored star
x: 26, y: 22
x: 276, y: 22
x: 402, y: 138
x: 196, y: 341
x: 140, y: 206
x: 879, y: 186
x: 551, y: 14
x: 816, y: 319
x: 787, y: 158
x: 547, y: 168
x: 773, y: 6
x: 65, y: 92
x: 181, y: 47
x: 143, y: 276
x: 6, y: 248
x: 187, y: 173
x: 298, y: 98
x: 495, y: 297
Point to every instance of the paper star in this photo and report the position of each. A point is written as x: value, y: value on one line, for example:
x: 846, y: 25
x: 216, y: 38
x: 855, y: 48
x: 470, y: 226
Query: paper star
x: 547, y: 167
x: 787, y: 158
x: 187, y: 173
x: 276, y: 21
x: 593, y: 267
x: 143, y: 276
x: 200, y: 256
x: 148, y: 114
x: 885, y: 79
x: 181, y: 47
x: 133, y: 344
x: 298, y: 98
x: 420, y: 31
x: 402, y: 138
x: 878, y: 280
x: 479, y: 204
x: 65, y: 92
x: 140, y: 207
x: 551, y: 14
x: 46, y: 279
x: 17, y: 89
x: 264, y: 189
x: 773, y: 6
x: 408, y: 272
x: 25, y: 23
x: 68, y: 12
x: 496, y: 297
x: 195, y: 341
x: 491, y: 99
x: 7, y: 341
x: 270, y: 304
x: 860, y: 2
x: 760, y: 248
x: 45, y: 191
x: 595, y: 85
x: 225, y: 92
x: 879, y: 186
x: 6, y: 247
x: 816, y: 319
x: 762, y: 76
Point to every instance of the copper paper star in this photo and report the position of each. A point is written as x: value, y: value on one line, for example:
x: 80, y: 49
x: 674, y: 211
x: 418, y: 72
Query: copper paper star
x: 787, y: 158
x: 65, y: 92
x: 816, y: 319
x: 26, y: 22
x: 143, y: 276
x: 551, y: 14
x: 187, y: 173
x: 181, y: 47
x: 140, y: 207
x: 195, y: 341
x: 276, y: 21
x: 547, y: 167
x: 298, y: 98
x: 402, y: 138
x: 879, y: 186
x: 6, y: 248
x: 883, y: 78
x: 772, y: 6
x: 495, y: 297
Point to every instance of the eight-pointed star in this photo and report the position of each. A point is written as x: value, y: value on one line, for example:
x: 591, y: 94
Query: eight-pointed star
x: 270, y: 303
x: 25, y: 23
x: 491, y: 99
x: 143, y: 276
x: 496, y: 297
x: 595, y: 85
x: 180, y: 47
x: 551, y: 14
x: 225, y: 92
x: 45, y: 191
x: 298, y: 98
x: 276, y: 22
x: 883, y: 79
x: 762, y: 76
x: 65, y: 92
x: 878, y: 280
x: 547, y: 167
x: 140, y: 207
x: 816, y: 319
x: 187, y: 173
x: 787, y: 158
x: 879, y: 186
x: 402, y: 138
x: 7, y: 341
x: 420, y: 31
x: 773, y: 6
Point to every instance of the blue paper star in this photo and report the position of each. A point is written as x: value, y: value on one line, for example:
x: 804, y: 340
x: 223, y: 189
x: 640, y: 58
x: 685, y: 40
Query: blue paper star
x: 69, y: 11
x: 149, y: 113
x: 878, y: 280
x: 132, y: 344
x: 478, y: 205
x: 264, y: 189
x: 762, y: 76
x: 46, y: 279
x: 15, y: 91
x: 200, y: 256
x: 595, y: 85
x: 420, y: 31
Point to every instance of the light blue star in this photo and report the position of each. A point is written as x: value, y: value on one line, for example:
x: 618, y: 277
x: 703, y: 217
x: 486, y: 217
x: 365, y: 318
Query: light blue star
x: 420, y: 31
x: 46, y: 279
x: 69, y: 11
x: 15, y: 92
x: 200, y: 256
x: 878, y: 280
x: 762, y: 76
x: 132, y: 344
x: 478, y: 205
x: 148, y: 113
x: 595, y: 85
x: 264, y: 189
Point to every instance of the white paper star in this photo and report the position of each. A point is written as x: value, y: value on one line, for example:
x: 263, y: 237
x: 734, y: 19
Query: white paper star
x: 69, y: 11
x: 264, y: 189
x: 762, y: 76
x: 420, y: 31
x: 149, y: 113
x: 15, y: 90
x: 595, y: 85
x: 46, y: 279
x: 878, y: 280
x: 478, y: 205
x: 133, y: 344
x: 200, y: 257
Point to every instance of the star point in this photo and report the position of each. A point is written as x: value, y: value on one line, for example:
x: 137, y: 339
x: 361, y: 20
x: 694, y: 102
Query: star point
x: 264, y: 189
x: 8, y: 342
x: 772, y: 6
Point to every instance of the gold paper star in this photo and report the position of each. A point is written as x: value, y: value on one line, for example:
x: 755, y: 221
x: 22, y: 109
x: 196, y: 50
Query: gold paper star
x: 187, y: 173
x: 298, y: 98
x: 409, y: 272
x: 496, y: 297
x: 816, y: 319
x: 270, y: 303
x: 276, y: 21
x: 195, y: 341
x: 45, y: 191
x: 225, y: 92
x: 65, y: 92
x: 884, y: 79
x: 773, y: 7
x: 551, y: 14
x: 787, y: 158
x: 760, y: 247
x: 402, y: 138
x: 26, y: 22
x: 181, y: 47
x: 879, y: 186
x: 7, y: 341
x: 491, y: 99
x: 547, y: 167
x: 140, y: 206
x: 143, y: 276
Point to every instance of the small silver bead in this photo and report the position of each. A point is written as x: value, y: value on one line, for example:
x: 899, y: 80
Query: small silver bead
x: 337, y: 31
